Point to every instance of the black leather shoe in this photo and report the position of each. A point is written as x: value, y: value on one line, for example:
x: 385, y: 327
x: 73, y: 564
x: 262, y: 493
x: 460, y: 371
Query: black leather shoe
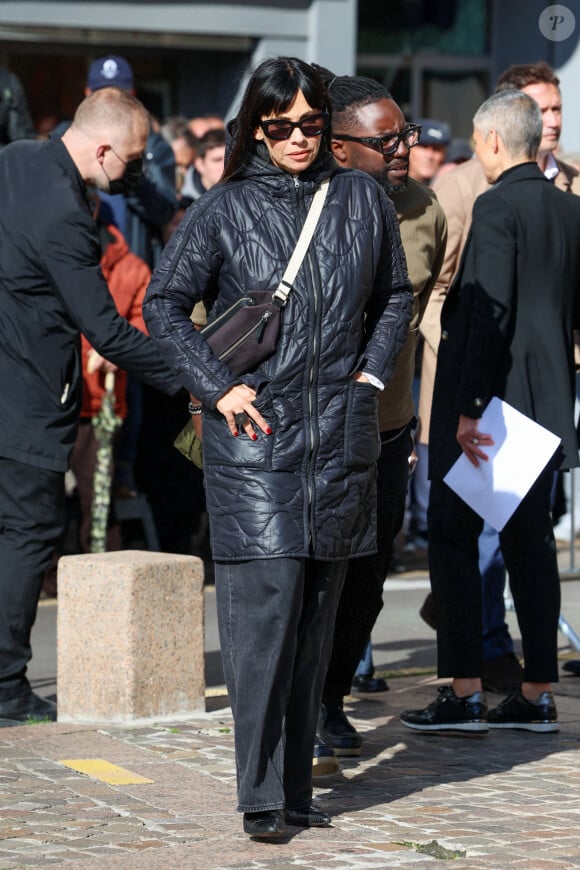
x: 519, y: 713
x: 307, y: 817
x: 366, y: 683
x: 572, y: 666
x: 336, y: 730
x: 265, y: 824
x: 21, y: 704
x: 450, y: 713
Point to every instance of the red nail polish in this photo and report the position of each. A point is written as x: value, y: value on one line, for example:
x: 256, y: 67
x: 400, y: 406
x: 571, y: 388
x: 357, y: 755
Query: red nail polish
x: 268, y: 431
x: 254, y: 437
x: 236, y: 434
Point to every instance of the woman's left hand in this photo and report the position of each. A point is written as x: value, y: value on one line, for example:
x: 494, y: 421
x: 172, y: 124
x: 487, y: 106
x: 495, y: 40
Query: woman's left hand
x: 236, y: 406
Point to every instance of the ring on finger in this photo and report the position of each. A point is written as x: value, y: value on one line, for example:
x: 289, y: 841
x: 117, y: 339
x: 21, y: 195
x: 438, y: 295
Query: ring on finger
x: 241, y: 419
x: 475, y: 441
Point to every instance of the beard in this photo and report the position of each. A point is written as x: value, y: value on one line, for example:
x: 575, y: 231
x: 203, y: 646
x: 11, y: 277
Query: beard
x: 382, y: 177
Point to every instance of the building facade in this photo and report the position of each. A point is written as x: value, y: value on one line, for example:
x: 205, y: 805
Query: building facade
x: 439, y: 58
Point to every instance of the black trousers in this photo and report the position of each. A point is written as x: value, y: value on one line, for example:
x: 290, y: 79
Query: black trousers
x: 529, y: 552
x: 361, y: 600
x: 32, y: 510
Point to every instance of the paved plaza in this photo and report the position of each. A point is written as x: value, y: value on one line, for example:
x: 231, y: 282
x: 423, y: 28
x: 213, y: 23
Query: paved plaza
x: 508, y: 799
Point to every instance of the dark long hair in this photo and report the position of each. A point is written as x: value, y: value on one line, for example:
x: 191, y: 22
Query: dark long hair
x: 271, y: 90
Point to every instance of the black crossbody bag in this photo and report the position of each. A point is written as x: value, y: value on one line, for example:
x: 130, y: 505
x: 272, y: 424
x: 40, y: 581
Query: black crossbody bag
x: 248, y: 331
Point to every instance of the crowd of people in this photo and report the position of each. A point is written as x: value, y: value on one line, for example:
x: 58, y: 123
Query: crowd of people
x: 122, y: 236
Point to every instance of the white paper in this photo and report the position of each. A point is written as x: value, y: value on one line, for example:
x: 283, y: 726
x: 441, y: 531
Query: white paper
x: 521, y: 451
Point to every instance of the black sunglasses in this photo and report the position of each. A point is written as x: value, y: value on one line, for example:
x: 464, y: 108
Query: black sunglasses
x: 312, y: 125
x: 387, y: 144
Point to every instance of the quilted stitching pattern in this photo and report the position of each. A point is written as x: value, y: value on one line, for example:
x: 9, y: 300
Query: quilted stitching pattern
x: 307, y: 490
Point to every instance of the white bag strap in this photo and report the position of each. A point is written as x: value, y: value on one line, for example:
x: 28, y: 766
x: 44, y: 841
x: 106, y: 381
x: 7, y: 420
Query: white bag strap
x: 285, y: 286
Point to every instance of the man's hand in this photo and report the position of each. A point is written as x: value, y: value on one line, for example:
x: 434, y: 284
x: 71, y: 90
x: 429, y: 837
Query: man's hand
x: 96, y: 362
x: 471, y: 440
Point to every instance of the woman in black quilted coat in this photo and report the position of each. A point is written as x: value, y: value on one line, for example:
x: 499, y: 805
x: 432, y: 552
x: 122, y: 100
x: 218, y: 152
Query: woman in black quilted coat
x: 291, y: 492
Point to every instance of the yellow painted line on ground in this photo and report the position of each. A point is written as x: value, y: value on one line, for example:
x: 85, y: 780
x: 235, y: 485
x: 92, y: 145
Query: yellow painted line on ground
x: 103, y: 770
x: 216, y: 692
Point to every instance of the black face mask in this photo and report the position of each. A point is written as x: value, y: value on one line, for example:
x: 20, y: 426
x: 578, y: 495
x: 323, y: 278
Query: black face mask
x: 130, y: 178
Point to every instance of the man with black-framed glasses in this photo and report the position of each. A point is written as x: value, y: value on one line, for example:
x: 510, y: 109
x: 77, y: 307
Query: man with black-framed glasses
x: 369, y: 133
x: 386, y: 144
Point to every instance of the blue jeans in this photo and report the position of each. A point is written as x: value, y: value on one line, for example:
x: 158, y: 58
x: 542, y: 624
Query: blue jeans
x: 496, y: 637
x: 366, y: 666
x: 276, y: 619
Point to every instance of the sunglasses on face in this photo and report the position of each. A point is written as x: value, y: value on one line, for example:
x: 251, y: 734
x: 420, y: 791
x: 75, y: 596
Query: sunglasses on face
x: 387, y: 144
x: 312, y: 125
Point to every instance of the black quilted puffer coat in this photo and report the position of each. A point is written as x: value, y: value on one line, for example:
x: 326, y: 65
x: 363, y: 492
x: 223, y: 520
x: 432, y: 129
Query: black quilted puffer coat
x: 307, y: 490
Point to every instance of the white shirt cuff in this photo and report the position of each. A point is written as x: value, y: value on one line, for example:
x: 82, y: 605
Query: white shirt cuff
x: 374, y: 381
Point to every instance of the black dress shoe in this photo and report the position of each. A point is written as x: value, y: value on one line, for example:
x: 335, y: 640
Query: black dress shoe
x: 366, y: 683
x: 306, y: 817
x: 337, y: 732
x: 21, y: 704
x: 265, y: 824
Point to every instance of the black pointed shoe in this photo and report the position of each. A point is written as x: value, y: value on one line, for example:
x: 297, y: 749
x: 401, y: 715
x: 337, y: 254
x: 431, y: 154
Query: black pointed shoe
x: 517, y: 712
x: 450, y: 713
x: 265, y: 824
x: 306, y: 817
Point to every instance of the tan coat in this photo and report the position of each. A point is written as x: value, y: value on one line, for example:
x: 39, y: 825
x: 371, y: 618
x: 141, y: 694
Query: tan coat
x: 423, y: 235
x: 456, y: 191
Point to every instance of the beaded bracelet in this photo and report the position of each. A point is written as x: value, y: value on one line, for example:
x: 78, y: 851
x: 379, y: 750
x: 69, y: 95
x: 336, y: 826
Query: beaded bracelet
x: 194, y: 409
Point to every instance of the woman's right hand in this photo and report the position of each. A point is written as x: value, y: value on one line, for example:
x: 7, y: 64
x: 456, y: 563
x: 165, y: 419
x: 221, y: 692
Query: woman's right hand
x: 236, y: 406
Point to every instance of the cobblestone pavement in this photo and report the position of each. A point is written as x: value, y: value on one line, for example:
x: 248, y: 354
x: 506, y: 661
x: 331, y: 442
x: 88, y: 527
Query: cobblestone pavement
x: 508, y: 799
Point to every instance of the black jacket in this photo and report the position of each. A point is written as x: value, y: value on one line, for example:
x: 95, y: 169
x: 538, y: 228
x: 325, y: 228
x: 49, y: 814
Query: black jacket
x: 507, y: 322
x: 51, y: 287
x: 308, y: 489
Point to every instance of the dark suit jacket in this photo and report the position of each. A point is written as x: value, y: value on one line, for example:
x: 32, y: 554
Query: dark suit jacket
x: 507, y: 323
x: 52, y: 288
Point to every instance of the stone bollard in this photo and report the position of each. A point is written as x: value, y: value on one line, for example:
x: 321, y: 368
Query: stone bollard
x: 130, y: 637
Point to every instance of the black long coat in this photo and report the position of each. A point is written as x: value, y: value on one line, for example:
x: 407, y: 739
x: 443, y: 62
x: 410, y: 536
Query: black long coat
x: 507, y: 322
x: 51, y: 289
x: 309, y: 489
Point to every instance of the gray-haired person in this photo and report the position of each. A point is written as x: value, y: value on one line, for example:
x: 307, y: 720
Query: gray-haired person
x: 507, y: 330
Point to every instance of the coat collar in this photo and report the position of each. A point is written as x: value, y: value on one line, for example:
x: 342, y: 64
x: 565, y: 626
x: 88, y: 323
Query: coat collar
x: 521, y: 172
x: 62, y: 157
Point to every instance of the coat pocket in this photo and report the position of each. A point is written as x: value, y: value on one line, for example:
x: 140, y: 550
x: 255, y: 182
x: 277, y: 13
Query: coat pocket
x: 362, y: 443
x: 220, y: 447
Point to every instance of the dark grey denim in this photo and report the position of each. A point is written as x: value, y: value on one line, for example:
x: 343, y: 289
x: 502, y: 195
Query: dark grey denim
x: 276, y: 618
